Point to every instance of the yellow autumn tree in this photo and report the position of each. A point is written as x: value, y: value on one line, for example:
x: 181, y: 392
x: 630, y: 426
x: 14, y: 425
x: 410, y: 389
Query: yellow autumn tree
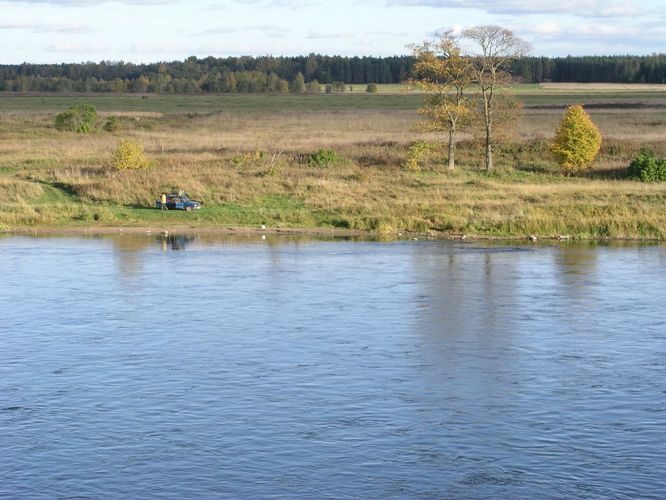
x: 129, y: 155
x: 441, y: 71
x: 577, y: 141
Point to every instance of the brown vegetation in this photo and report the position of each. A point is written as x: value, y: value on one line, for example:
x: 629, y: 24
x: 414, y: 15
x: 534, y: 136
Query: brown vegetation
x: 253, y: 168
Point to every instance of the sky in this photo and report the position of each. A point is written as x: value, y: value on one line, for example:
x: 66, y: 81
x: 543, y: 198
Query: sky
x: 52, y: 31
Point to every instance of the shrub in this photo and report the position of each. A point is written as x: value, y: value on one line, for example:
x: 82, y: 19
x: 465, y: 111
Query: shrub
x: 251, y: 159
x: 129, y: 155
x: 313, y: 87
x: 281, y: 86
x: 577, y: 141
x: 371, y: 88
x: 418, y: 155
x: 647, y: 167
x: 112, y: 124
x: 80, y: 119
x: 324, y: 158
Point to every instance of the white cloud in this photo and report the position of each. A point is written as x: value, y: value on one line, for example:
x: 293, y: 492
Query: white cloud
x: 87, y: 3
x: 269, y: 30
x: 548, y: 28
x: 76, y: 48
x: 47, y: 28
x: 222, y: 30
x: 290, y: 4
x: 328, y: 36
x: 596, y: 38
x: 581, y: 8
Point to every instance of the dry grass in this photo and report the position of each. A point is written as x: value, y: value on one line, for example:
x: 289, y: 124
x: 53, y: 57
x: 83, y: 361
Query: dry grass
x: 51, y: 178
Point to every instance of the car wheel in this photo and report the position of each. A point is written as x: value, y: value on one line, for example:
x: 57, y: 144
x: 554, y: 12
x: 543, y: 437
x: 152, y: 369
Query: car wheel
x: 188, y: 209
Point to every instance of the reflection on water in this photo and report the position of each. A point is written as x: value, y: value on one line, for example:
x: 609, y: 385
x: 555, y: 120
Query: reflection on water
x: 293, y: 366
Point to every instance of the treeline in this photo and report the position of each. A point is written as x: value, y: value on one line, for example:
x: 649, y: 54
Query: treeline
x: 592, y: 69
x: 209, y: 75
x: 277, y: 74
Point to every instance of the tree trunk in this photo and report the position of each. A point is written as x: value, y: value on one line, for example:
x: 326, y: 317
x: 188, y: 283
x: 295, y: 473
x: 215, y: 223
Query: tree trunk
x: 452, y: 150
x: 489, y: 147
x: 488, y: 115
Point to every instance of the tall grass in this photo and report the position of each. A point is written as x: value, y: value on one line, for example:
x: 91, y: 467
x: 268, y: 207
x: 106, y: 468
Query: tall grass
x: 251, y: 167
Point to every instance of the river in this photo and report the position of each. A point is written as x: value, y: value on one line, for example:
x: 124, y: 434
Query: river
x: 138, y: 366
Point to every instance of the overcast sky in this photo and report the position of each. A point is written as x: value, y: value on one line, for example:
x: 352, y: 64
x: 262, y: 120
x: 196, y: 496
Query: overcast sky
x: 165, y: 30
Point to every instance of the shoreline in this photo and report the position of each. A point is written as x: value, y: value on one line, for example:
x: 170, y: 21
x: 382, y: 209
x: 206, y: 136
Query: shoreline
x: 299, y: 231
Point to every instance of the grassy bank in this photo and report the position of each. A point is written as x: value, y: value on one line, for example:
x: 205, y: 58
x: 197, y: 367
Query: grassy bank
x: 247, y: 157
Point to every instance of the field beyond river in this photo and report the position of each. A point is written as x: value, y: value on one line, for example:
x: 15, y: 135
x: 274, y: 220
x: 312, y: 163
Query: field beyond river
x: 252, y: 160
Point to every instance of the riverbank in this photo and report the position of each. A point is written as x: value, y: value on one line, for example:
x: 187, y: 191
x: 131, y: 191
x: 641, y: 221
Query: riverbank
x: 171, y: 230
x: 254, y: 165
x: 301, y: 232
x: 344, y: 199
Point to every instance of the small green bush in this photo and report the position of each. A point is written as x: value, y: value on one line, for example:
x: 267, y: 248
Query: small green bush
x: 324, y: 158
x: 371, y: 88
x: 80, y: 119
x: 647, y: 167
x: 313, y: 87
x: 112, y: 124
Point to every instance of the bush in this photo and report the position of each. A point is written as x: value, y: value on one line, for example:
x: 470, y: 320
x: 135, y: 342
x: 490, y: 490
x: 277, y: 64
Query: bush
x: 112, y: 124
x: 577, y: 141
x: 313, y: 87
x: 324, y: 158
x: 129, y: 155
x: 647, y: 167
x: 418, y: 155
x: 80, y: 119
x: 281, y: 86
x: 371, y: 88
x: 252, y: 159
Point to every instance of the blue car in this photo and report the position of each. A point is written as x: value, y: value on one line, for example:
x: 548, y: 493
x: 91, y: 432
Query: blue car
x: 179, y: 202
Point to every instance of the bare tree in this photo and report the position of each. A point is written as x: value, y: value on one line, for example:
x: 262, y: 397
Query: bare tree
x: 442, y: 72
x: 497, y: 47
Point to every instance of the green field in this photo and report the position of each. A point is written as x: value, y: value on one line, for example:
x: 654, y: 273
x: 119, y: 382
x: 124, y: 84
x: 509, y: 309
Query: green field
x: 390, y: 97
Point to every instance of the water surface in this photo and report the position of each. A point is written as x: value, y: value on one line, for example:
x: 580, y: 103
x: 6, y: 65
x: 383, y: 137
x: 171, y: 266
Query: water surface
x: 191, y: 367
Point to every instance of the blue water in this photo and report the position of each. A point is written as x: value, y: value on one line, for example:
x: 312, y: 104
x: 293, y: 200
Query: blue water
x: 198, y: 367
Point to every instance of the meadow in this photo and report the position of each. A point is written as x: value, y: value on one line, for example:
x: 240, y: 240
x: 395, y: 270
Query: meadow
x: 248, y: 157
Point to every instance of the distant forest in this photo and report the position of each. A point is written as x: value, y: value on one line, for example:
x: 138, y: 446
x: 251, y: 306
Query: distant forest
x: 284, y: 74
